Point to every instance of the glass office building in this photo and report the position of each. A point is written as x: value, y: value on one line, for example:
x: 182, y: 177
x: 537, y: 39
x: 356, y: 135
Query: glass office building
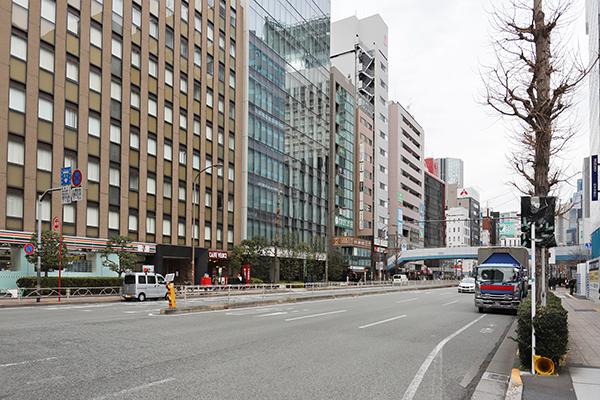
x: 286, y: 136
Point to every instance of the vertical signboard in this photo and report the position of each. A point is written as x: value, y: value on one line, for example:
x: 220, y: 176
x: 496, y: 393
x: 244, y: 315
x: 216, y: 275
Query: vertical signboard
x: 595, y: 178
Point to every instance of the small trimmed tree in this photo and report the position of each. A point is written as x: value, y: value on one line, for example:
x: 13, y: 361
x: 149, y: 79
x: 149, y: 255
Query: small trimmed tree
x: 119, y: 245
x: 50, y: 245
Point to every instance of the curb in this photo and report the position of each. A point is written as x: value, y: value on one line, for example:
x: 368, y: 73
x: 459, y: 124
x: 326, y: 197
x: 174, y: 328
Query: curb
x: 515, y: 386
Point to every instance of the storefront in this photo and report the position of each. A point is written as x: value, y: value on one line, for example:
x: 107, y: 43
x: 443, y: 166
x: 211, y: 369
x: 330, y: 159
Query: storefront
x: 84, y: 255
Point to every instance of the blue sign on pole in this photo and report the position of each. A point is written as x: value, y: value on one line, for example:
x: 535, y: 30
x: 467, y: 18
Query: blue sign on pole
x: 65, y: 176
x: 595, y: 178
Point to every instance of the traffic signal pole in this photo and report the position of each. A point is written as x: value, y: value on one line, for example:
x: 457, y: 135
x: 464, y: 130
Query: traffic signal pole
x: 39, y: 240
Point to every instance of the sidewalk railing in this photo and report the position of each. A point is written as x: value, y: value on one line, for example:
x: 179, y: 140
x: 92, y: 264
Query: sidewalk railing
x: 263, y: 289
x: 30, y: 293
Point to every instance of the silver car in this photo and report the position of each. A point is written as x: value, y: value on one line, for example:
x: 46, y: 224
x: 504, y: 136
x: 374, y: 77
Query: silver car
x: 467, y: 285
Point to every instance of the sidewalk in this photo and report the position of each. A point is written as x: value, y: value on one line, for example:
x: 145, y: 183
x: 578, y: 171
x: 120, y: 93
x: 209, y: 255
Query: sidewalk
x: 578, y: 380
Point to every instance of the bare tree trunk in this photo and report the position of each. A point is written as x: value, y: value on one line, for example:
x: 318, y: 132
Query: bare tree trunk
x: 542, y: 125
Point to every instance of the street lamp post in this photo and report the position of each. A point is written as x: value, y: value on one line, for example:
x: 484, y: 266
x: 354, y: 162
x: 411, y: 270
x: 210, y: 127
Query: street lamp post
x: 39, y: 240
x: 387, y: 234
x: 219, y: 165
x: 328, y: 239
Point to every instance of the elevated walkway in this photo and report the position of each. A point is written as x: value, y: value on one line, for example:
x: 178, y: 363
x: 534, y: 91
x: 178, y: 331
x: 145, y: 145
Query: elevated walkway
x: 562, y: 253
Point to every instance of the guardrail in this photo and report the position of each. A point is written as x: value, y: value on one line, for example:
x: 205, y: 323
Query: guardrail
x: 224, y: 292
x: 263, y: 289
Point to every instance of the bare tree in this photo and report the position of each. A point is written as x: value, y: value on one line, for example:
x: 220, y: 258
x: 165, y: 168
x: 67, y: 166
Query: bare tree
x: 532, y: 84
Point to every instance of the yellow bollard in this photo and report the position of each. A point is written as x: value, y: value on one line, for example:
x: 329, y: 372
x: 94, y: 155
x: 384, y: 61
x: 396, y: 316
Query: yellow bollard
x: 171, y: 294
x: 543, y: 365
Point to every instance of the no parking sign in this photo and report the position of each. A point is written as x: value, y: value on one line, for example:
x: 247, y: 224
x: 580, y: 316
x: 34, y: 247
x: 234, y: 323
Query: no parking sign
x: 29, y: 249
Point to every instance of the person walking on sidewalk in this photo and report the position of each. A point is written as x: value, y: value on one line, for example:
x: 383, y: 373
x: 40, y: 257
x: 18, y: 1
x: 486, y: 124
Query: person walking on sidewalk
x: 552, y: 283
x: 572, y: 284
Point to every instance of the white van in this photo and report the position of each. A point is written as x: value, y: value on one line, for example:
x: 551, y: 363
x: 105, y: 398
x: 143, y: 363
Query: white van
x: 144, y: 285
x: 400, y: 279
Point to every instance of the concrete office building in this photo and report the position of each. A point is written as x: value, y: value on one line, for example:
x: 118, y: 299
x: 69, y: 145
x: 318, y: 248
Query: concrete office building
x: 359, y: 50
x: 406, y: 177
x: 458, y: 227
x: 286, y: 120
x: 142, y: 97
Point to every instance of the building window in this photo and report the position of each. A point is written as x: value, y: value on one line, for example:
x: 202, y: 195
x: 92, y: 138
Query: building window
x: 46, y: 60
x: 134, y: 181
x: 73, y: 23
x: 168, y: 155
x: 166, y: 227
x: 68, y: 213
x: 152, y: 147
x: 16, y: 152
x: 182, y: 157
x: 134, y: 140
x: 47, y: 23
x: 72, y: 71
x: 16, y: 100
x: 96, y: 36
x: 93, y: 216
x: 94, y: 126
x: 113, y: 220
x: 95, y: 81
x: 133, y: 222
x: 151, y: 185
x: 184, y: 48
x: 115, y: 134
x: 14, y: 206
x: 151, y: 225
x: 93, y: 173
x: 18, y: 47
x: 71, y: 118
x: 182, y: 193
x: 46, y: 109
x: 167, y: 189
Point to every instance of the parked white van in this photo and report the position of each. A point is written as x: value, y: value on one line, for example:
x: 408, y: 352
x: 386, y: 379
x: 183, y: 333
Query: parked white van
x: 144, y: 285
x: 400, y: 279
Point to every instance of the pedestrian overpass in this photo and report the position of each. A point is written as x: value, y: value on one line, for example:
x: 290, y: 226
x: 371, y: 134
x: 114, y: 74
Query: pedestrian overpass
x: 563, y: 253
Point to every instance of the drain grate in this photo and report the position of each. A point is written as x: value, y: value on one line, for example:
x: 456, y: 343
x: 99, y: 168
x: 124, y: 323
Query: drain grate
x: 496, y: 377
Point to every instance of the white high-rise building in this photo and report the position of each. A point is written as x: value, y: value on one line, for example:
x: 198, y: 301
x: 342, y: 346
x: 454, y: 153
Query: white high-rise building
x: 592, y: 27
x: 359, y: 49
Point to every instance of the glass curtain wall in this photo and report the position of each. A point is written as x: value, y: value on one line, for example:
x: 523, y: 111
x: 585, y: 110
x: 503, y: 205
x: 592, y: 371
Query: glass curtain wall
x: 288, y: 114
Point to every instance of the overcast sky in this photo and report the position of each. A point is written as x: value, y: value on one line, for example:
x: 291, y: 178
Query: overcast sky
x: 435, y: 51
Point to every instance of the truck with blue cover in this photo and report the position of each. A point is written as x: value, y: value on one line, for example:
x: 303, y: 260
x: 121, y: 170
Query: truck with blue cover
x: 501, y: 277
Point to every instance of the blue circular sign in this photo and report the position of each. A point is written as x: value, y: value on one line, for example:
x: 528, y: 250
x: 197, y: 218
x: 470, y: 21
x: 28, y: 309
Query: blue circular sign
x: 29, y: 249
x: 77, y: 177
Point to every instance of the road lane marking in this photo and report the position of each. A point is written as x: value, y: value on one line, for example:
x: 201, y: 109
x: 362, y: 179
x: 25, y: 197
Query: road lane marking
x: 315, y: 315
x: 381, y: 322
x: 272, y: 314
x: 443, y: 294
x: 134, y: 389
x: 414, y: 385
x: 404, y: 301
x: 452, y: 302
x: 27, y: 362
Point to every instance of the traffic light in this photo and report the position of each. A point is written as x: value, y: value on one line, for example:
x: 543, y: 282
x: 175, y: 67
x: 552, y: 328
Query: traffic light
x: 539, y: 211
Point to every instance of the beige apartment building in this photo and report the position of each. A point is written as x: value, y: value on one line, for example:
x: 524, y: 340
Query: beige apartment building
x: 143, y: 98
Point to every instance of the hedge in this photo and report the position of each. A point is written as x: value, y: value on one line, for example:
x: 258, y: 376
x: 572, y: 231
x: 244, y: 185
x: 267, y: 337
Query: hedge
x: 551, y: 330
x: 30, y: 282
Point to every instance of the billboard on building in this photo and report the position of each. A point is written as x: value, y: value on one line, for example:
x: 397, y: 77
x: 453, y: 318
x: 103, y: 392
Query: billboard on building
x: 507, y: 228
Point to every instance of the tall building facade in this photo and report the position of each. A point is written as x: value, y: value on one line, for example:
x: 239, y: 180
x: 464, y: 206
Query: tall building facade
x: 452, y: 170
x: 286, y: 119
x: 407, y: 177
x: 143, y: 98
x: 359, y: 50
x: 435, y: 210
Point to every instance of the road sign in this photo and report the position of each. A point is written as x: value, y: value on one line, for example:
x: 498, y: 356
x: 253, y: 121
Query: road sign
x: 77, y: 177
x: 76, y: 193
x: 29, y: 249
x: 56, y: 224
x: 65, y: 195
x: 65, y: 176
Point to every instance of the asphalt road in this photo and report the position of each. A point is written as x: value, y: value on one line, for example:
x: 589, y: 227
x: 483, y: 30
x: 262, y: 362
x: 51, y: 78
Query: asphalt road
x: 404, y: 345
